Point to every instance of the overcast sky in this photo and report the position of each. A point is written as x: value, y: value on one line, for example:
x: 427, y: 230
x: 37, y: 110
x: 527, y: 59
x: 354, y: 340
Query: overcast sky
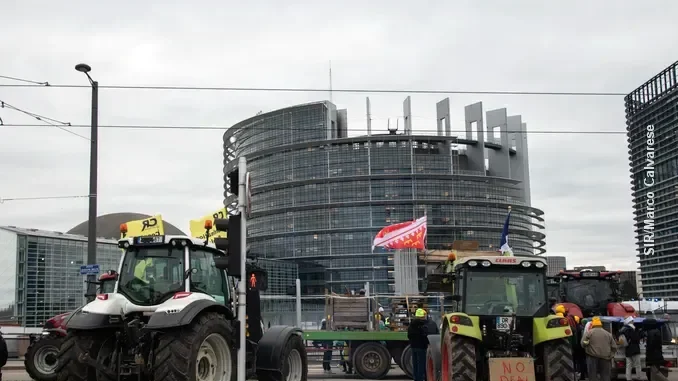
x: 580, y: 181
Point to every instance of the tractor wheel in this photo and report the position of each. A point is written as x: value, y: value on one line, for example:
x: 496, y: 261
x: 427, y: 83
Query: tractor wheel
x: 558, y: 361
x: 372, y: 360
x: 458, y: 362
x: 433, y: 358
x: 203, y: 350
x: 76, y: 345
x: 41, y: 358
x: 406, y: 362
x: 293, y: 362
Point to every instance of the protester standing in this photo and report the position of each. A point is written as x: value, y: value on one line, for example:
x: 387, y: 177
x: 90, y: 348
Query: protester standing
x: 327, y: 354
x: 654, y: 357
x: 578, y: 351
x: 629, y: 338
x: 4, y: 354
x: 417, y: 335
x: 600, y: 347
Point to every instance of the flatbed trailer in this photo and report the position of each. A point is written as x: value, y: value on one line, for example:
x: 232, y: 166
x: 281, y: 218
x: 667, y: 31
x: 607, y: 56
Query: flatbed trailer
x: 370, y: 352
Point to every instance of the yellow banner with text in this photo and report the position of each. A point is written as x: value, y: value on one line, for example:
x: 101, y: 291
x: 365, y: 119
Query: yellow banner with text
x: 197, y: 227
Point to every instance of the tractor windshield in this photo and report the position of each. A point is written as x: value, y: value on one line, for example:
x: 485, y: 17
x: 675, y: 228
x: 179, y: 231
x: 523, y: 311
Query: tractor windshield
x: 493, y: 292
x: 589, y: 294
x: 151, y: 275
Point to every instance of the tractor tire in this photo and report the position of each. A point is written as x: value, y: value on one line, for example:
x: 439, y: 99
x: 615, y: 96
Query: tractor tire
x: 293, y: 362
x: 372, y: 360
x: 202, y: 350
x: 75, y: 344
x: 433, y: 358
x: 406, y: 362
x: 558, y: 361
x: 459, y: 358
x: 40, y: 359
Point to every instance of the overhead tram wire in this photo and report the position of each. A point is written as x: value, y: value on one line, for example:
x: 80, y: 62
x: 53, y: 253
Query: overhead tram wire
x: 25, y: 80
x: 316, y: 90
x: 51, y: 122
x: 224, y: 128
x: 3, y: 200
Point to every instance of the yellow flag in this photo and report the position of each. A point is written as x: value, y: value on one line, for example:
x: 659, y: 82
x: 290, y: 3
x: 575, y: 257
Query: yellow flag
x: 148, y: 226
x: 197, y: 227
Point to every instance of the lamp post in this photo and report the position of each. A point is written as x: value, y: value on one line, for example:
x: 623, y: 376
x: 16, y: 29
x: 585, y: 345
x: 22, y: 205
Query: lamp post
x: 93, y: 172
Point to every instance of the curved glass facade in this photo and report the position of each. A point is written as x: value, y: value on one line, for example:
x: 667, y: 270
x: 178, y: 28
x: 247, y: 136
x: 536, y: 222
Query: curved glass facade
x: 319, y: 198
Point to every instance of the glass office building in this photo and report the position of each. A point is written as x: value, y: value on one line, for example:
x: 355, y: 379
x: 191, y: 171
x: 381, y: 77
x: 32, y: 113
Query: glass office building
x: 319, y: 196
x: 554, y: 264
x: 41, y: 273
x: 652, y: 131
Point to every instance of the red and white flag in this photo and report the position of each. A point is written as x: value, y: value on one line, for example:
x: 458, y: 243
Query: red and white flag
x: 405, y: 235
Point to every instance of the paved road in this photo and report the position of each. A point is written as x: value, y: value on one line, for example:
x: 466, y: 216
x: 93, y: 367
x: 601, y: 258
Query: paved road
x: 14, y: 372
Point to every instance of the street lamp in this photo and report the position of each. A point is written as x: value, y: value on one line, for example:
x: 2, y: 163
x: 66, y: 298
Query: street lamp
x: 93, y: 172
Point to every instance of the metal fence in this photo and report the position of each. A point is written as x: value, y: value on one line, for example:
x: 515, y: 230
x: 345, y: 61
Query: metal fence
x: 282, y: 310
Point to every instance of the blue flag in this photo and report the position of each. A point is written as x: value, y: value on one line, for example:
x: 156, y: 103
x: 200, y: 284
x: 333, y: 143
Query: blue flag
x: 504, y: 245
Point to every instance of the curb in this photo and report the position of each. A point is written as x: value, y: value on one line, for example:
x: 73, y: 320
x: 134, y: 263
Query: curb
x: 13, y: 367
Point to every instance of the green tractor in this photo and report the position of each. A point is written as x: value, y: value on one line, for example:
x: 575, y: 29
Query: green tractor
x: 501, y: 327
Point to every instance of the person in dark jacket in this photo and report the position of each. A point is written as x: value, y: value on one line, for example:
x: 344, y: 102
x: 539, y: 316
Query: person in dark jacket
x: 417, y: 335
x: 431, y: 326
x: 4, y: 354
x: 327, y: 354
x: 630, y: 338
x: 654, y: 357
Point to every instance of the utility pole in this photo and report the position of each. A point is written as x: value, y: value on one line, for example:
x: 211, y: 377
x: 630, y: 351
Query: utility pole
x: 93, y: 174
x: 242, y: 284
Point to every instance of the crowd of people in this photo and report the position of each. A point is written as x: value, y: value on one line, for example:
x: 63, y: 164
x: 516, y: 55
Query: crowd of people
x: 594, y: 348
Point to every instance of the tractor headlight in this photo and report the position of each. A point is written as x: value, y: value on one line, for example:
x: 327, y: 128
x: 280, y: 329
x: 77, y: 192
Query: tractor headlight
x: 526, y: 264
x: 472, y: 263
x: 486, y: 263
x: 539, y: 265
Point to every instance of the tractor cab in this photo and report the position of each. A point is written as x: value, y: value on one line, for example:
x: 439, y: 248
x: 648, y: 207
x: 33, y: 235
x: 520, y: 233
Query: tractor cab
x: 160, y: 270
x: 553, y: 288
x: 593, y: 293
x: 506, y: 294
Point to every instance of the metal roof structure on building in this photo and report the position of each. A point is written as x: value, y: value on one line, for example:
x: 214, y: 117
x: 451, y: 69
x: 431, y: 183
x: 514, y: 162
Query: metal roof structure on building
x: 108, y: 225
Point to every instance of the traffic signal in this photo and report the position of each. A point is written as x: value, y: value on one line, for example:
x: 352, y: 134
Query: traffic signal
x: 233, y: 178
x: 230, y: 245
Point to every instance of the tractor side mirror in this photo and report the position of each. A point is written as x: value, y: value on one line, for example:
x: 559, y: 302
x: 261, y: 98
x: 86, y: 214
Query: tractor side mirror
x: 456, y: 298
